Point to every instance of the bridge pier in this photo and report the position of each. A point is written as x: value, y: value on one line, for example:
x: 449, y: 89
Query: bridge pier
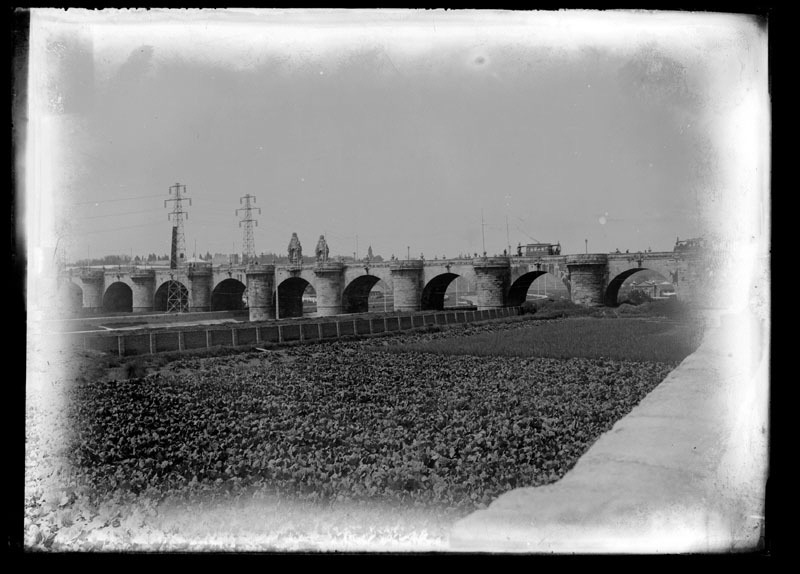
x: 407, y: 284
x: 92, y: 283
x: 493, y: 277
x: 329, y: 286
x: 260, y: 286
x: 695, y: 283
x: 200, y: 282
x: 144, y: 283
x: 588, y: 277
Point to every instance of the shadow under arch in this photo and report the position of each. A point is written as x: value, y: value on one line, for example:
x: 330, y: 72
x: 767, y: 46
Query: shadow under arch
x: 290, y: 299
x: 161, y: 297
x: 118, y: 298
x: 614, y: 286
x: 518, y: 292
x: 433, y: 293
x: 355, y: 298
x: 228, y: 296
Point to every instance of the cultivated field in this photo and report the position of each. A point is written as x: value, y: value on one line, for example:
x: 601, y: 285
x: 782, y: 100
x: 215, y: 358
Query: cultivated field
x: 382, y: 442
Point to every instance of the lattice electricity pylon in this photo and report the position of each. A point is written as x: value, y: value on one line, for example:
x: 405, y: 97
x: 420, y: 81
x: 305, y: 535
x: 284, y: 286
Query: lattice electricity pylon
x: 178, y: 256
x: 177, y: 297
x: 248, y: 243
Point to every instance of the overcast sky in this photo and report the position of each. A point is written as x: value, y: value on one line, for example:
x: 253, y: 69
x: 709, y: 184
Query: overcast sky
x: 398, y: 127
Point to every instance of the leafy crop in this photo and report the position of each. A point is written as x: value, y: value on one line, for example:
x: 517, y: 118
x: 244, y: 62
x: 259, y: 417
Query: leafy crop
x: 637, y: 297
x: 333, y: 422
x: 555, y: 308
x: 671, y: 308
x: 622, y: 339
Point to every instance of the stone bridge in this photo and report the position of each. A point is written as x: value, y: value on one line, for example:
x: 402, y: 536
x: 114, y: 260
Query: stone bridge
x: 416, y: 284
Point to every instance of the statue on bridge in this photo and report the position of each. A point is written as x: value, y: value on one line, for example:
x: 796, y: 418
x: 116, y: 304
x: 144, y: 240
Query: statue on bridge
x: 321, y: 252
x: 295, y: 250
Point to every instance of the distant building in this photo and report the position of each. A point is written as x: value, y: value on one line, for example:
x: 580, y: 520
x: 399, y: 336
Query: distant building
x: 653, y: 288
x: 225, y: 259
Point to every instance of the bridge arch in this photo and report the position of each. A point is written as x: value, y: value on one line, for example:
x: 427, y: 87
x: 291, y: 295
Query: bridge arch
x: 228, y: 295
x: 118, y: 298
x: 615, y: 285
x: 432, y: 298
x: 518, y: 292
x: 161, y: 297
x: 289, y: 295
x: 355, y: 297
x: 381, y: 297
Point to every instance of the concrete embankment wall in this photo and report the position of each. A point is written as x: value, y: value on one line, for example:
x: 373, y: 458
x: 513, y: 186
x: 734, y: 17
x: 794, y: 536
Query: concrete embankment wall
x: 147, y: 341
x: 684, y: 472
x: 89, y: 323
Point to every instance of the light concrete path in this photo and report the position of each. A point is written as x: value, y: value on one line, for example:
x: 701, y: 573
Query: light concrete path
x: 684, y: 472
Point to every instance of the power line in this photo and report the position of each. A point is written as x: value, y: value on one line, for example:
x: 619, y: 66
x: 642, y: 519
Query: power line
x: 523, y: 232
x: 116, y: 199
x: 115, y: 229
x: 118, y: 214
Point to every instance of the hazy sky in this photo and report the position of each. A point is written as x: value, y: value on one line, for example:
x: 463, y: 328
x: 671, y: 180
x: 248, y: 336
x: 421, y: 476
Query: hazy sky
x: 399, y: 127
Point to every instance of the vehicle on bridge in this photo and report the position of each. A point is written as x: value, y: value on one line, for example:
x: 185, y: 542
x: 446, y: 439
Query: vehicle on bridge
x: 538, y: 249
x: 689, y: 244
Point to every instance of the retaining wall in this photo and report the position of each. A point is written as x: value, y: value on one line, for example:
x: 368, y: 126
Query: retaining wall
x: 88, y: 323
x: 149, y: 341
x: 685, y: 472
